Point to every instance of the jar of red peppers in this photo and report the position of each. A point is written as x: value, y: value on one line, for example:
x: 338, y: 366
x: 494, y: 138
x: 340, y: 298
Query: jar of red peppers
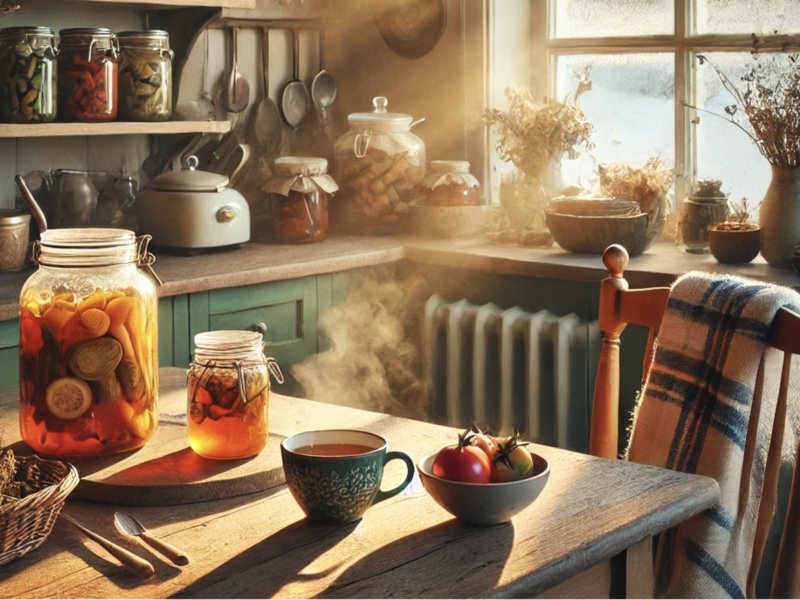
x: 449, y: 183
x: 145, y: 76
x: 87, y: 75
x: 299, y: 194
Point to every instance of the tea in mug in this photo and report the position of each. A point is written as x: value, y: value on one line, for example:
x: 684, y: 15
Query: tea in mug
x: 343, y: 449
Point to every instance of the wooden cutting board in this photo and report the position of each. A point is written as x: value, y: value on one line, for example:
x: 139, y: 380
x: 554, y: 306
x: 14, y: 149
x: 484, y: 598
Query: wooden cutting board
x: 165, y: 471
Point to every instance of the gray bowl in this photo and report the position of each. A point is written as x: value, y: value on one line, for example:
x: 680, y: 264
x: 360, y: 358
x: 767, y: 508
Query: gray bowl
x: 592, y: 234
x: 484, y: 503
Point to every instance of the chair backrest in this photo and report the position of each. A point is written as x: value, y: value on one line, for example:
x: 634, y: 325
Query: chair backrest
x: 620, y: 307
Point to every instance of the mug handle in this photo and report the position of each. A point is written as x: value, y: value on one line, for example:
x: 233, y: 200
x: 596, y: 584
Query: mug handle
x: 381, y: 495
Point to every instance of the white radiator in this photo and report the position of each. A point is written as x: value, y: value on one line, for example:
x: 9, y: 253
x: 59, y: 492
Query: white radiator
x: 502, y: 368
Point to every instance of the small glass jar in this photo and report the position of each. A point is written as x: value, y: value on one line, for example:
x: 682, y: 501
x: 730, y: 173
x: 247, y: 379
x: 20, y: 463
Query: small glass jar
x: 228, y: 394
x: 87, y: 75
x: 697, y: 215
x: 299, y: 195
x: 27, y: 75
x: 145, y: 76
x: 449, y: 183
x: 378, y: 165
x: 89, y: 344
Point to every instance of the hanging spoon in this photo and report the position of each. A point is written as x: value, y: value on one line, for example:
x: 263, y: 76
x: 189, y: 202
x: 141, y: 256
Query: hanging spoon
x: 295, y: 99
x: 323, y: 88
x: 36, y: 210
x: 238, y: 90
x: 267, y: 127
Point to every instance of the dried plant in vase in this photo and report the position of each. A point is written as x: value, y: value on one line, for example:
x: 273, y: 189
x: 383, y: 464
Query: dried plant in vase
x: 767, y: 108
x: 534, y: 136
x: 648, y: 184
x: 737, y: 240
x: 6, y: 8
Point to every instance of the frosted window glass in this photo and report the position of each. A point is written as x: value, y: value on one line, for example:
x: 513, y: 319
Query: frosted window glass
x: 724, y: 151
x: 631, y: 105
x: 597, y: 18
x: 747, y: 16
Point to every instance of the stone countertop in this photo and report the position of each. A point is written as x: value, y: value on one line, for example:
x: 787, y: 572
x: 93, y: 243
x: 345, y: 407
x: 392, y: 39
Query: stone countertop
x: 259, y: 263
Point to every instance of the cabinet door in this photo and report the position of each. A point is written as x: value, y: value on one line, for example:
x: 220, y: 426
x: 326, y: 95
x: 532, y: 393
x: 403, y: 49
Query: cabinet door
x: 288, y: 308
x: 9, y: 354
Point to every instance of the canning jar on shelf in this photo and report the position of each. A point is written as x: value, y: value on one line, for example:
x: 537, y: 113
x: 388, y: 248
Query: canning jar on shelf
x: 87, y: 75
x: 228, y: 394
x: 27, y: 75
x: 145, y: 76
x: 299, y: 193
x: 449, y: 183
x: 89, y: 344
x: 378, y: 165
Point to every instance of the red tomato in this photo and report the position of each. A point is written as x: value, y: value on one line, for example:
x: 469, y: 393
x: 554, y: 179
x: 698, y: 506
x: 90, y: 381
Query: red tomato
x: 467, y: 464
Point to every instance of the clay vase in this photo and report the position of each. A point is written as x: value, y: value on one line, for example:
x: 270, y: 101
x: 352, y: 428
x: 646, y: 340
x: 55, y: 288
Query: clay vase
x: 780, y: 216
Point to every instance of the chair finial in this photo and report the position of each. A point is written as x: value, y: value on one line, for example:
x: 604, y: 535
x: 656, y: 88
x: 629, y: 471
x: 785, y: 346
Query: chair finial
x: 615, y: 258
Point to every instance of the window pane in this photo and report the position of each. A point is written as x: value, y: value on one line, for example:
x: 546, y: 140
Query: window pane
x: 630, y: 105
x: 597, y: 18
x: 747, y: 16
x: 724, y: 151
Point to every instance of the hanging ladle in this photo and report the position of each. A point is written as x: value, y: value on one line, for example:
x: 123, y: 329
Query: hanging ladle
x: 295, y: 101
x: 238, y: 91
x: 267, y: 127
x: 323, y: 88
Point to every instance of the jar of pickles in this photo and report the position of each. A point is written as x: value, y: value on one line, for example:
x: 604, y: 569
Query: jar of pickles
x: 299, y: 194
x: 228, y: 394
x: 89, y: 344
x: 378, y: 165
x: 145, y: 76
x: 27, y: 75
x: 449, y: 183
x: 87, y: 75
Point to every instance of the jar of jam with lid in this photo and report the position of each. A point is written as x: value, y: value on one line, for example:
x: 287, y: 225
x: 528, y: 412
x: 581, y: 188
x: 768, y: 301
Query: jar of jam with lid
x: 228, y: 394
x: 449, y: 183
x: 87, y: 75
x: 299, y: 195
x: 27, y: 75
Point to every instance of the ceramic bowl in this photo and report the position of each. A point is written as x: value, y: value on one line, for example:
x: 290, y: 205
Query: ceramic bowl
x: 734, y: 247
x: 593, y: 234
x: 484, y: 503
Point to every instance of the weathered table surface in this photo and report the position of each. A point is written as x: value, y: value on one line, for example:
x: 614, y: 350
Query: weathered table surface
x: 260, y: 545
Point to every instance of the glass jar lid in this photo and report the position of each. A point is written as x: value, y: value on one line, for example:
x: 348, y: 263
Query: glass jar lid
x: 87, y: 246
x: 290, y: 166
x: 89, y: 31
x: 449, y: 166
x: 148, y: 34
x: 380, y: 120
x: 190, y: 180
x: 37, y: 31
x: 227, y: 346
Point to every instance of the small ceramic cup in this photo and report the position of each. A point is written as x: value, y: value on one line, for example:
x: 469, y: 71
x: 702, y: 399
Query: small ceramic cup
x: 339, y: 489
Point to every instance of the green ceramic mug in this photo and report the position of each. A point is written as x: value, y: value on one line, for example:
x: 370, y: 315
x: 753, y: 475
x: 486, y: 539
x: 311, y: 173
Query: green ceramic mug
x: 335, y: 475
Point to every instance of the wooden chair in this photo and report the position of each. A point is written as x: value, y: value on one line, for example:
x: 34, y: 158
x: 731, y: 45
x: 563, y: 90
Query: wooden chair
x: 619, y: 307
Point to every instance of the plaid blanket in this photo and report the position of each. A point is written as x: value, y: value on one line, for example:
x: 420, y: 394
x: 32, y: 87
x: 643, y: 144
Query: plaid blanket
x: 693, y: 416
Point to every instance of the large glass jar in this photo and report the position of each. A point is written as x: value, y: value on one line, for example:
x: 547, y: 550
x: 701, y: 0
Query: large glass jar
x: 449, y: 183
x: 87, y: 75
x: 228, y: 394
x: 27, y: 75
x: 89, y: 344
x: 378, y: 165
x: 299, y: 194
x: 145, y: 76
x: 697, y: 215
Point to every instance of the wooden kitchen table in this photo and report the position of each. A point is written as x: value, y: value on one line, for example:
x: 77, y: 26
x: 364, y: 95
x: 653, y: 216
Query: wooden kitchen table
x: 260, y: 545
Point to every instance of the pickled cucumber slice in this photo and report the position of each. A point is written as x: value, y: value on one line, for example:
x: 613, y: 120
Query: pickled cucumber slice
x: 94, y: 359
x: 68, y: 398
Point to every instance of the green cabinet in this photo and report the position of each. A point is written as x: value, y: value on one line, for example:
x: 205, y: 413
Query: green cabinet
x: 9, y: 354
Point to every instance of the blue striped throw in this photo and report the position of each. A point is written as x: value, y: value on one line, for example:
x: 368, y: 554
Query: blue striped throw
x: 693, y: 416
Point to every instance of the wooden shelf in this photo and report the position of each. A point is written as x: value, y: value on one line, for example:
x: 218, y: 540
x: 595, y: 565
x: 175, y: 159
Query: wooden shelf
x: 114, y: 128
x: 165, y: 4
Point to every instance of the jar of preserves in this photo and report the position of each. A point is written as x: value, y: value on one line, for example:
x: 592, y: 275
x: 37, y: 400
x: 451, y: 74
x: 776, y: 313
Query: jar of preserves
x: 378, y: 165
x: 299, y: 194
x: 89, y: 344
x: 27, y: 75
x: 87, y: 75
x: 145, y: 76
x: 228, y: 394
x: 449, y: 183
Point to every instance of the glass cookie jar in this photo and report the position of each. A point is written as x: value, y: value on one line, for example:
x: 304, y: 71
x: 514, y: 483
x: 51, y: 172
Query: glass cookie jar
x: 228, y: 394
x: 87, y: 75
x: 27, y: 75
x: 378, y: 165
x: 145, y: 76
x: 89, y: 344
x: 299, y: 195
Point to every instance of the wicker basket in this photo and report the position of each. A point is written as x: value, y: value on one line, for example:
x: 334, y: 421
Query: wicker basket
x: 26, y: 523
x: 449, y: 221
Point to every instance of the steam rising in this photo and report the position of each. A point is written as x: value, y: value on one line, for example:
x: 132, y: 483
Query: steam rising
x: 374, y: 361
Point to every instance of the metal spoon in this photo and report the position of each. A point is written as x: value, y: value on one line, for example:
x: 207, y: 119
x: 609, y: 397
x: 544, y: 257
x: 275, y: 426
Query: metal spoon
x: 128, y: 525
x: 295, y: 99
x: 238, y: 90
x: 323, y: 88
x: 36, y: 210
x: 268, y: 126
